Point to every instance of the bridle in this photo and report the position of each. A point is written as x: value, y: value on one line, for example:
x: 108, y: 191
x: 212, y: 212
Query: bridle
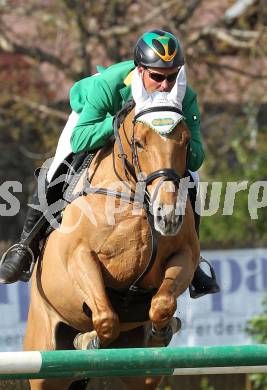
x: 134, y: 169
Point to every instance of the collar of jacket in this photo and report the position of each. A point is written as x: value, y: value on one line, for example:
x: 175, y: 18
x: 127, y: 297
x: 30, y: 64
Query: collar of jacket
x: 126, y: 93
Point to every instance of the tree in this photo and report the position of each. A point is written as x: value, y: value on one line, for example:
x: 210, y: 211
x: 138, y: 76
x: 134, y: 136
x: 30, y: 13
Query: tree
x: 46, y: 46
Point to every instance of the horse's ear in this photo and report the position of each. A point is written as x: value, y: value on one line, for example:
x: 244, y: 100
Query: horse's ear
x: 139, y: 92
x: 178, y: 91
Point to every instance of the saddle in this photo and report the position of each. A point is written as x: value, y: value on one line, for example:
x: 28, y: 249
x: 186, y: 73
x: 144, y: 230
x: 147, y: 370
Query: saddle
x: 61, y: 187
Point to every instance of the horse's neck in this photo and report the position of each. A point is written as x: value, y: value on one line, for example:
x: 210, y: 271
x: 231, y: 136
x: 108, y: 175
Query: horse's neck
x: 107, y: 169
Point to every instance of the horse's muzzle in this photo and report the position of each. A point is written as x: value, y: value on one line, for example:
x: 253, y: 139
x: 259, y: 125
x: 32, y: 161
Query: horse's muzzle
x: 166, y: 220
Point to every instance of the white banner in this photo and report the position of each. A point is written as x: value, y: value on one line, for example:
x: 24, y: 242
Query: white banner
x: 222, y: 318
x: 211, y: 320
x: 14, y: 299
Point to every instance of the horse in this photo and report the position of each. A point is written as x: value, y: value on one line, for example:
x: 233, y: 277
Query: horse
x: 122, y: 254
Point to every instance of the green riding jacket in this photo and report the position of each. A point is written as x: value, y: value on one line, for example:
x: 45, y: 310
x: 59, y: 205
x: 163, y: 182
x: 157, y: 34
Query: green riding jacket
x: 99, y: 97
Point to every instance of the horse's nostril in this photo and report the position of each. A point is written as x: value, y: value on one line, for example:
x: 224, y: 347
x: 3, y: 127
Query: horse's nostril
x: 159, y: 217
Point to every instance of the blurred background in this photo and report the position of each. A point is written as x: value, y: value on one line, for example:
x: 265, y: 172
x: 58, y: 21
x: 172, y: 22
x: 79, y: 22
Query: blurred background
x: 46, y: 45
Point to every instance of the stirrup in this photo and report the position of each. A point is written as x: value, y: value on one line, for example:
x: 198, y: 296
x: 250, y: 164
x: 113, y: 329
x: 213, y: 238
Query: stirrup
x: 212, y: 272
x: 25, y: 274
x: 212, y: 289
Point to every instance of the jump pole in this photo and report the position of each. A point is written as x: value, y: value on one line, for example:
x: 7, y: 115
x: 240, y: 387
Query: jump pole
x: 134, y: 362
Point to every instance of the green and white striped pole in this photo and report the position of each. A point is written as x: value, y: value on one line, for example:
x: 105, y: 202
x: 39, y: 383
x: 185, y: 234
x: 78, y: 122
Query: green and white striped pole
x: 134, y: 362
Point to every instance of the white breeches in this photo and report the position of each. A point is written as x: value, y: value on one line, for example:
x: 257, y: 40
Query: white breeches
x: 63, y: 146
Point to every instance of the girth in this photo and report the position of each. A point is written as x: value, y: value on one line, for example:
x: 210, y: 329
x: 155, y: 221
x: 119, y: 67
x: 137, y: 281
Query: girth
x: 130, y: 306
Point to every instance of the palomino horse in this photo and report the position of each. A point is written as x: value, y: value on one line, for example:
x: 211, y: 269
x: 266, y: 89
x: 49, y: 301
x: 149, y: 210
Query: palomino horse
x: 108, y: 252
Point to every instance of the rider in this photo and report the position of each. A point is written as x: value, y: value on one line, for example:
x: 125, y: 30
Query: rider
x: 158, y: 57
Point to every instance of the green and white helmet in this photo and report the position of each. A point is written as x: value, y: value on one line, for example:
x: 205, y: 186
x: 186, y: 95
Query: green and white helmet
x: 158, y: 49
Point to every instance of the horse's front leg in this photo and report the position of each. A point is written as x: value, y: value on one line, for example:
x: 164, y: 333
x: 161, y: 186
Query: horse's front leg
x: 85, y: 270
x: 179, y: 272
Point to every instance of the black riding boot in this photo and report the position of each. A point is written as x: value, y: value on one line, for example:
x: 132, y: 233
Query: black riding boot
x: 202, y: 283
x: 18, y: 261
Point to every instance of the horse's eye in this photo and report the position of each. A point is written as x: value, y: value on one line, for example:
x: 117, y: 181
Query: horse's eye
x: 139, y: 145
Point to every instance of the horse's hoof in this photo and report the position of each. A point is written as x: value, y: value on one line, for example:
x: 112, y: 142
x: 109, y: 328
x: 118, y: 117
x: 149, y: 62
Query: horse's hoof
x: 89, y: 340
x: 162, y: 337
x: 175, y: 324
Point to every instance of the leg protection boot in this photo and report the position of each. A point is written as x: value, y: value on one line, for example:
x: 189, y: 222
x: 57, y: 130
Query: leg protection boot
x: 202, y: 283
x: 18, y: 261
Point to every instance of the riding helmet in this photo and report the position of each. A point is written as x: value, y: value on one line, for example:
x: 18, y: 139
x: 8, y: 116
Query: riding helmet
x: 158, y: 49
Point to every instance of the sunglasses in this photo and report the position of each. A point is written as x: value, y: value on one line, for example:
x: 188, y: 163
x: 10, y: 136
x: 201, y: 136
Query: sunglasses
x: 159, y: 77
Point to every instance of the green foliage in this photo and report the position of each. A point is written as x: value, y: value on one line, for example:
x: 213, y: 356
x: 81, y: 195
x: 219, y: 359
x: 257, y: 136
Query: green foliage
x: 257, y: 326
x: 204, y: 384
x: 257, y: 329
x: 244, y: 159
